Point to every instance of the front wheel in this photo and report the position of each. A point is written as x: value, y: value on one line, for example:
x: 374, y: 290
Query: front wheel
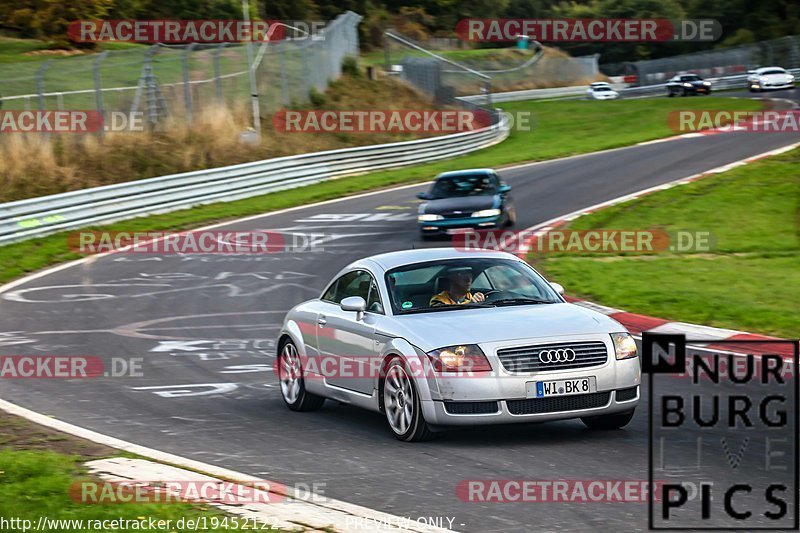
x: 402, y: 404
x: 615, y: 421
x: 293, y: 388
x: 511, y: 217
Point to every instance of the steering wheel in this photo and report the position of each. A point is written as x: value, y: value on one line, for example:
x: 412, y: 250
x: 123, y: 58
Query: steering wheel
x: 491, y: 293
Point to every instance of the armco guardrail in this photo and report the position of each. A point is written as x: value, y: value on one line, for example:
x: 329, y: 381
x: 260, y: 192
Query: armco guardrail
x: 36, y: 217
x: 725, y: 83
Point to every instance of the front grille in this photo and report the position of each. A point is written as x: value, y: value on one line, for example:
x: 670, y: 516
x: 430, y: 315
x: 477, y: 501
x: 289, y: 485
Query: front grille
x: 623, y: 395
x: 470, y: 408
x: 526, y: 358
x: 560, y: 403
x: 465, y: 214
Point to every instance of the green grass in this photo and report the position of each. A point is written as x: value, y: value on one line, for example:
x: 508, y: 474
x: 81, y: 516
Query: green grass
x: 561, y: 128
x: 750, y: 280
x: 36, y: 483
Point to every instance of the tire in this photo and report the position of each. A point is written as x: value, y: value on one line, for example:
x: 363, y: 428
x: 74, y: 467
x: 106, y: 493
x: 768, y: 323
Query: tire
x: 511, y: 218
x: 404, y: 417
x: 670, y: 94
x: 290, y: 375
x: 684, y: 93
x: 606, y: 422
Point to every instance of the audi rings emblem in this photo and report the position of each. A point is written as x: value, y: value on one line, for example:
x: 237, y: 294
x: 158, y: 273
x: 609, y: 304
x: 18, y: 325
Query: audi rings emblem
x: 557, y: 356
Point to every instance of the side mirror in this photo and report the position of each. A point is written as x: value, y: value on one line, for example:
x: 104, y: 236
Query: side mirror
x: 422, y: 195
x: 354, y: 303
x: 558, y: 288
x: 504, y: 188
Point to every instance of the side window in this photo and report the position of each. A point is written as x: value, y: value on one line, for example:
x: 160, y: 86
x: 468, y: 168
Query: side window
x: 355, y: 283
x: 481, y: 283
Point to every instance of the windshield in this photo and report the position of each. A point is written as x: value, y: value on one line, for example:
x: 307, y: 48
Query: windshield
x: 601, y: 89
x: 466, y: 185
x: 453, y: 284
x: 692, y: 78
x: 773, y: 71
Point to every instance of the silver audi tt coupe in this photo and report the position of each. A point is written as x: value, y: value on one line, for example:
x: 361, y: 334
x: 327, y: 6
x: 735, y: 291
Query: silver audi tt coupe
x: 443, y: 337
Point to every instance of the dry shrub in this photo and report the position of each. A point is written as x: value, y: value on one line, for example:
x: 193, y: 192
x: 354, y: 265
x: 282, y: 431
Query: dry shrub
x: 36, y: 165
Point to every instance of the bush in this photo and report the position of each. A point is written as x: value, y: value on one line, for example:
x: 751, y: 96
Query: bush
x: 317, y: 98
x: 350, y: 66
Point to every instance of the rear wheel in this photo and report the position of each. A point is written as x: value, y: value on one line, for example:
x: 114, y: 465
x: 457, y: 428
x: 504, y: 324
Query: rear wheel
x: 402, y: 404
x: 615, y: 421
x: 293, y: 388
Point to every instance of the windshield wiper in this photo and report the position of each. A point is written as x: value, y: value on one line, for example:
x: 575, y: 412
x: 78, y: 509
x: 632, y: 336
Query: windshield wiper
x: 519, y: 301
x: 448, y: 307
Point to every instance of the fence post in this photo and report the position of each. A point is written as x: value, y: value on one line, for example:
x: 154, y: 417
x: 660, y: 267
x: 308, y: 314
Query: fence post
x: 217, y: 76
x: 306, y: 77
x: 187, y: 89
x: 40, y: 82
x: 98, y: 89
x: 283, y: 74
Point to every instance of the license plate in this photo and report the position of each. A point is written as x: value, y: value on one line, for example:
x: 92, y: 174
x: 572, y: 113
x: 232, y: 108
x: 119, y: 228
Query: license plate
x: 561, y: 387
x: 459, y: 231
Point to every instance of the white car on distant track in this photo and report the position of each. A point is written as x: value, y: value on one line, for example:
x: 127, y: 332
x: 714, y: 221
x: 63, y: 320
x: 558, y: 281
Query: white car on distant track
x: 601, y: 90
x: 392, y: 334
x: 769, y: 78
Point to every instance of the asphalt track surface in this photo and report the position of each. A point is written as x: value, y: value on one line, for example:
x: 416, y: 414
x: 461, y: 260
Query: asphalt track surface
x: 205, y: 328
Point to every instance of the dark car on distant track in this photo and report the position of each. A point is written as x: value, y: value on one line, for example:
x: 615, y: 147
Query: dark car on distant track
x: 466, y: 200
x: 686, y: 84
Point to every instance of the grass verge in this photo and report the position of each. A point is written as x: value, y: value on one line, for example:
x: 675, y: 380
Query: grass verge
x: 561, y: 128
x: 750, y: 278
x: 37, y: 467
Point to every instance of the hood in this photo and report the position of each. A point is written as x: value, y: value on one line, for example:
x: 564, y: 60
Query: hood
x: 783, y: 78
x: 467, y: 204
x: 474, y: 326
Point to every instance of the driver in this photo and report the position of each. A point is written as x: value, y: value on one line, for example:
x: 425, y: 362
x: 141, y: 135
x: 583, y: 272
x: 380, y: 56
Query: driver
x: 460, y: 279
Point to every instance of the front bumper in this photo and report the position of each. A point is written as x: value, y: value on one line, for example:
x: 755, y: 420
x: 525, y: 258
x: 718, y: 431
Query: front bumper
x: 475, y: 223
x: 768, y: 87
x: 500, y: 397
x: 446, y: 413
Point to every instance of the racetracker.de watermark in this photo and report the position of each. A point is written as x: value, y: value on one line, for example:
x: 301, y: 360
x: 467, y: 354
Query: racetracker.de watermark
x: 588, y: 30
x: 394, y: 121
x: 194, y: 242
x: 176, y: 31
x: 612, y: 241
x: 690, y: 120
x: 68, y: 367
x: 552, y: 491
x: 69, y: 121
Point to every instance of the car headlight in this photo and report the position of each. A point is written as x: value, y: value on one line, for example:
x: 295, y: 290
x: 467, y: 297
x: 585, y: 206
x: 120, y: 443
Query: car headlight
x: 487, y: 213
x: 624, y: 345
x: 460, y: 358
x: 790, y: 77
x: 706, y: 83
x: 429, y: 218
